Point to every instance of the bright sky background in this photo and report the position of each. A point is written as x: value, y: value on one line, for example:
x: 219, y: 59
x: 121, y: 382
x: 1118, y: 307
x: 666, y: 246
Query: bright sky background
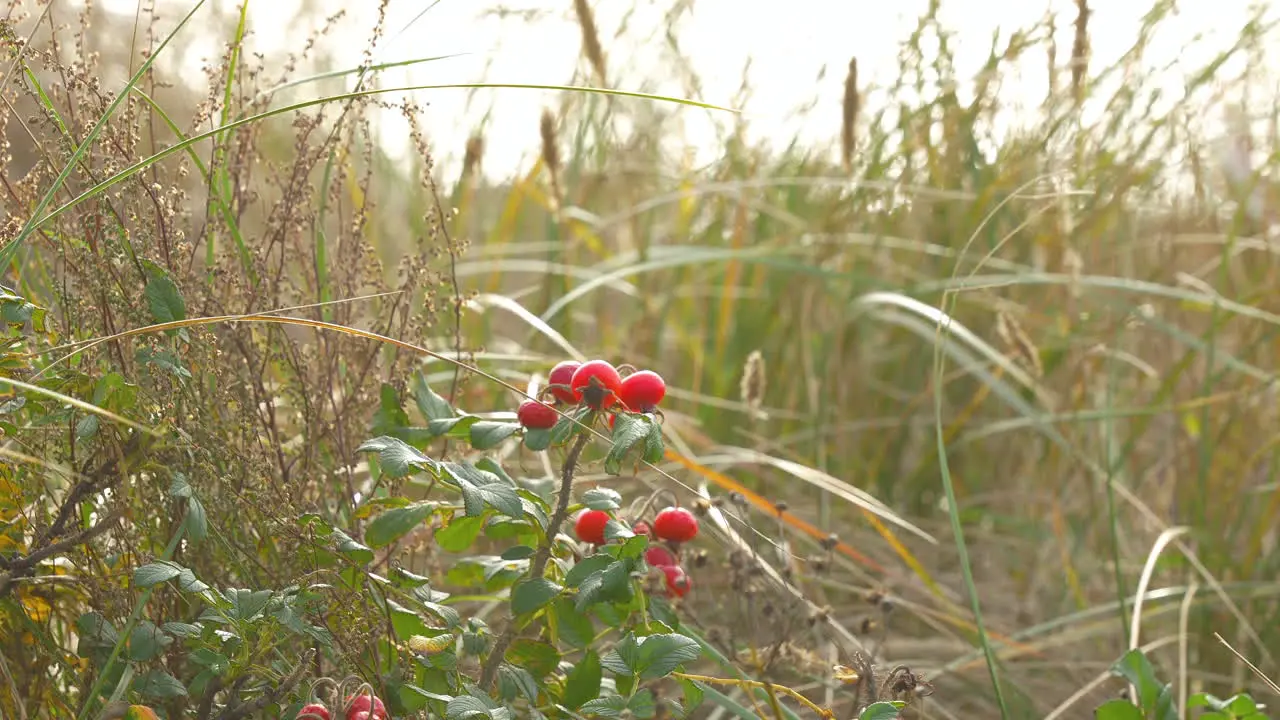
x: 788, y: 46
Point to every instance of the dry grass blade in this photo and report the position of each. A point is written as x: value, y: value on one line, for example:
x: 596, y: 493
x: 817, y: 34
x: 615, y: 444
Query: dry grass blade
x: 1261, y: 676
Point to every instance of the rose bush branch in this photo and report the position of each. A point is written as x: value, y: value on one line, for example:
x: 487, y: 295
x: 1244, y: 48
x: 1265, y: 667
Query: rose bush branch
x: 543, y: 555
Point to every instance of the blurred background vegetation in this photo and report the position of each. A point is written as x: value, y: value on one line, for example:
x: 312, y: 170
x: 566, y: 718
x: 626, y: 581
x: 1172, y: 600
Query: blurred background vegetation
x: 1106, y: 253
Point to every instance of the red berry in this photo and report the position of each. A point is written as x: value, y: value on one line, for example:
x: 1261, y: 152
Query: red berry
x: 596, y: 383
x: 535, y: 415
x: 361, y: 704
x: 678, y: 582
x: 590, y: 526
x: 313, y: 711
x: 642, y: 391
x: 562, y: 375
x: 676, y: 525
x: 642, y: 528
x: 658, y: 556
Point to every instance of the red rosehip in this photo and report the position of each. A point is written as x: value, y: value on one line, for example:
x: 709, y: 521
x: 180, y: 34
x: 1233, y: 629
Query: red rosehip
x: 642, y: 528
x: 313, y: 711
x: 590, y: 526
x: 361, y: 704
x: 596, y: 383
x: 678, y: 582
x: 535, y: 415
x: 676, y: 525
x: 559, y: 380
x: 642, y: 391
x: 658, y: 556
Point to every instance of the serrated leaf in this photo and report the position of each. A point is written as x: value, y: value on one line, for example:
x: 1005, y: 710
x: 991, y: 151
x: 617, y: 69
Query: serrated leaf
x: 396, y: 523
x: 247, y: 604
x: 574, y: 627
x: 616, y: 530
x: 583, y: 682
x: 181, y: 629
x: 565, y: 427
x: 585, y: 568
x: 607, y: 707
x: 459, y: 534
x: 480, y: 488
x: 431, y: 405
x: 87, y: 427
x: 693, y: 695
x: 179, y: 487
x: 465, y: 707
x: 163, y: 297
x: 628, y: 429
x: 155, y: 573
x: 602, y: 499
x: 651, y: 657
x: 487, y: 434
x: 189, y: 583
x: 159, y: 684
x: 196, y: 522
x: 490, y: 465
x: 519, y: 680
x: 642, y: 705
x: 611, y: 584
x: 532, y: 595
x: 97, y: 629
x: 537, y: 439
x: 390, y: 416
x: 396, y: 457
x: 654, y: 449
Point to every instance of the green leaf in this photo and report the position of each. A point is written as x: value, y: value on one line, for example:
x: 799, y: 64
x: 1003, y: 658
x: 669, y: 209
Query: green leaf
x: 350, y: 548
x: 517, y: 681
x: 519, y: 552
x: 643, y: 705
x: 651, y: 657
x: 693, y: 695
x: 537, y: 657
x: 431, y: 405
x: 1155, y: 698
x: 615, y: 530
x: 196, y: 522
x: 609, y: 585
x: 583, y: 682
x: 87, y: 427
x: 179, y: 487
x: 159, y: 684
x: 486, y: 434
x: 396, y: 523
x: 156, y: 573
x: 607, y: 707
x: 532, y: 595
x: 181, y: 629
x: 163, y: 297
x: 654, y: 450
x: 247, y: 604
x: 147, y: 641
x: 480, y: 488
x: 465, y: 707
x: 390, y: 416
x: 397, y: 457
x: 585, y: 568
x: 602, y: 498
x: 574, y: 627
x: 490, y: 465
x: 459, y: 534
x: 1115, y: 710
x: 537, y: 439
x: 204, y: 657
x: 189, y: 583
x: 628, y: 429
x: 458, y: 427
x: 566, y: 425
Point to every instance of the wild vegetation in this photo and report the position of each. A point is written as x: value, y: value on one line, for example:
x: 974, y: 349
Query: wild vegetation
x: 956, y: 421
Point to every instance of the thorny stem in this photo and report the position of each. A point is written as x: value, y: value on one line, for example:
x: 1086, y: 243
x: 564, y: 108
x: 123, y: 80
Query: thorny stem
x: 541, y: 558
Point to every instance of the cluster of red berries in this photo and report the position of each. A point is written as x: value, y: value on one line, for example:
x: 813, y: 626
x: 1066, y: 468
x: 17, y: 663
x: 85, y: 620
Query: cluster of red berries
x: 599, y: 385
x: 358, y: 707
x: 674, y: 526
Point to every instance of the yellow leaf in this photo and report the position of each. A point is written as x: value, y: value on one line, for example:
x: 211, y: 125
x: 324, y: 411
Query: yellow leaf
x: 140, y: 712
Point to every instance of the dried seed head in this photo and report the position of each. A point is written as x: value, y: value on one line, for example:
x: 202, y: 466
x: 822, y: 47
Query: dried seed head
x: 472, y: 156
x: 852, y: 102
x: 1017, y: 343
x: 591, y: 46
x: 753, y: 384
x: 550, y: 152
x: 1080, y: 51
